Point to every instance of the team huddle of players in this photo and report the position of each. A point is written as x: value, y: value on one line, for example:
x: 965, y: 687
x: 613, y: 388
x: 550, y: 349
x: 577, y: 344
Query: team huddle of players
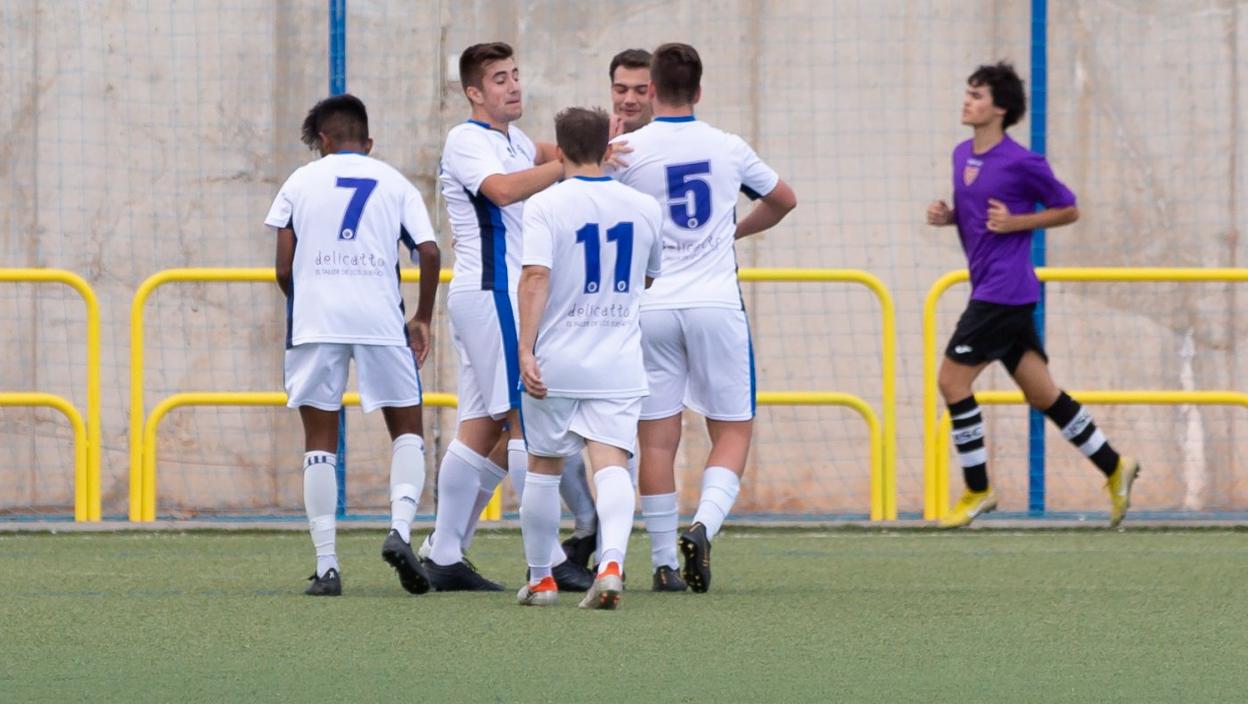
x: 594, y: 299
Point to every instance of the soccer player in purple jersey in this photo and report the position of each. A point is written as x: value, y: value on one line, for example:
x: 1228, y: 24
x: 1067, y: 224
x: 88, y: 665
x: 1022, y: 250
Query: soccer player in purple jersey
x: 996, y: 184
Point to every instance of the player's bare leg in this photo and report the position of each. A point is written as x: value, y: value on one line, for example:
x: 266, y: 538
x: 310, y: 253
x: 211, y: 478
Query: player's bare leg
x: 656, y: 478
x: 320, y: 495
x: 955, y: 380
x: 615, y: 504
x: 407, y: 480
x: 1077, y: 426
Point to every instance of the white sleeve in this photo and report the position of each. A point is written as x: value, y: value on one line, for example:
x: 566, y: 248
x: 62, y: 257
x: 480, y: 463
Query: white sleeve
x: 757, y: 178
x: 655, y: 221
x: 539, y: 239
x: 415, y: 228
x: 470, y: 158
x: 281, y: 213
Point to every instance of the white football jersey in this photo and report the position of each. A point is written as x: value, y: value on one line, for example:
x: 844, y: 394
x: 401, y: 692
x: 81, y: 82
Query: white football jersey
x: 486, y: 238
x: 600, y: 240
x: 349, y: 213
x: 695, y: 172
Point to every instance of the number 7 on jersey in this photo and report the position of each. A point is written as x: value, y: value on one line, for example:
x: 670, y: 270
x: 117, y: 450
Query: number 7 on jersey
x: 363, y: 188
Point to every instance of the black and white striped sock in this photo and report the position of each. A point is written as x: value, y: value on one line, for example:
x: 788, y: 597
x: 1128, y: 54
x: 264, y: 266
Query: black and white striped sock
x: 1077, y: 427
x: 968, y: 437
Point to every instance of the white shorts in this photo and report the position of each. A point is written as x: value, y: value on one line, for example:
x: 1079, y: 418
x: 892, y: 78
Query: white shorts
x: 483, y: 328
x: 316, y: 375
x: 698, y: 358
x: 559, y: 427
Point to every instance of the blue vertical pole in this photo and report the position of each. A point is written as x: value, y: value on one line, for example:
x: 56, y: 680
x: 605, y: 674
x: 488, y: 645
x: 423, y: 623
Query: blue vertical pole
x: 338, y: 86
x: 1039, y: 130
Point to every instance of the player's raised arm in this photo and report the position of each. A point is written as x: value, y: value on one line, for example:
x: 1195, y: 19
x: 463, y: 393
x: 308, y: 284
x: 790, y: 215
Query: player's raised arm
x: 505, y: 189
x: 769, y: 211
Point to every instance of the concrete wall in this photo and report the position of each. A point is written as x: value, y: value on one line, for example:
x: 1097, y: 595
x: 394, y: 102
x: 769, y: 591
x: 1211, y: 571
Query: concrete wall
x: 138, y: 138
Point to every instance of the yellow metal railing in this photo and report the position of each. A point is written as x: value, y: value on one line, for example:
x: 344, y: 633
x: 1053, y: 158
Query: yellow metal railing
x: 883, y: 451
x: 86, y: 439
x: 933, y: 498
x: 883, y: 477
x: 1123, y: 398
x: 138, y: 490
x: 226, y: 398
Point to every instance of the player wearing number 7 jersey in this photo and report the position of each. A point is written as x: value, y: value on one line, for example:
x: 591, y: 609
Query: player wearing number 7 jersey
x: 339, y: 222
x: 590, y: 246
x: 694, y: 330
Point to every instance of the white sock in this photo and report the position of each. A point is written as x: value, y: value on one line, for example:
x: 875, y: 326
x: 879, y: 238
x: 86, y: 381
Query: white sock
x: 616, y: 503
x: 658, y: 511
x: 574, y: 488
x: 458, y: 485
x: 407, y: 479
x: 320, y: 500
x: 539, y: 523
x: 632, y: 469
x: 490, y: 475
x: 720, y: 487
x: 517, y: 467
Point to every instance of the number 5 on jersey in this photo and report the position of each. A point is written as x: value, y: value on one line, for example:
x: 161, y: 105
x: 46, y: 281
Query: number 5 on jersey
x: 622, y: 235
x: 689, y: 194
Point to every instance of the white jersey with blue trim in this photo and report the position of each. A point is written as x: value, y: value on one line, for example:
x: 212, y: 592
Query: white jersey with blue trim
x: 695, y: 172
x: 349, y: 213
x: 486, y: 238
x: 600, y: 241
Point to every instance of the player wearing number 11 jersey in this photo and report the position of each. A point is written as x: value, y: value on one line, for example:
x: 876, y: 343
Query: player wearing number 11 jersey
x: 694, y: 331
x: 591, y: 246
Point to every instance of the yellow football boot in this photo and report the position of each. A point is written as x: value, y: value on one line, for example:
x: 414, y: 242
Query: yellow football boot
x: 1119, y: 488
x: 972, y: 504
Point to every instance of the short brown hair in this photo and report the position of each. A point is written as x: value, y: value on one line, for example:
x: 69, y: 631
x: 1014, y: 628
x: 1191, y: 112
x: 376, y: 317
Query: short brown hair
x: 472, y: 62
x: 629, y: 58
x: 582, y: 134
x: 676, y: 71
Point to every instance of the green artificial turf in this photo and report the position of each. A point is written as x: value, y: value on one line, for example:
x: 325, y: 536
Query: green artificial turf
x: 798, y: 615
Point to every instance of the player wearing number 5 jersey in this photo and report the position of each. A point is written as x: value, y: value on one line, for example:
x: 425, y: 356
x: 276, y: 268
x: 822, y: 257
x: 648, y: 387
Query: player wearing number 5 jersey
x: 339, y: 222
x: 590, y: 246
x: 694, y: 331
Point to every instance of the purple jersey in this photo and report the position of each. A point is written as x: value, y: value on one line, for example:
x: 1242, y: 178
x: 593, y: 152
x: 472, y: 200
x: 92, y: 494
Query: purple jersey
x: 1001, y: 270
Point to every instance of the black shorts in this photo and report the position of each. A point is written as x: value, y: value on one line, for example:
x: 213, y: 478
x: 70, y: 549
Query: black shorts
x: 992, y: 331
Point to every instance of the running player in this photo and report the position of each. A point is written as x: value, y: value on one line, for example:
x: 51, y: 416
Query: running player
x: 339, y: 222
x: 588, y: 244
x: 489, y: 168
x: 694, y: 329
x: 996, y: 185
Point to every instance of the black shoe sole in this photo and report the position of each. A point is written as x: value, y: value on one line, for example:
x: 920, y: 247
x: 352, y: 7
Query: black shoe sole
x: 697, y: 570
x: 412, y: 576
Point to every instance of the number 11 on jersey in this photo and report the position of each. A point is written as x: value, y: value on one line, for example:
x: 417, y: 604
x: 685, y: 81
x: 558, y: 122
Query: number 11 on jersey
x: 622, y: 235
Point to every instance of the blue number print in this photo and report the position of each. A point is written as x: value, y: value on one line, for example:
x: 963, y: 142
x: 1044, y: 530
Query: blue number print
x: 689, y: 194
x: 363, y: 188
x: 588, y: 236
x: 622, y: 235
